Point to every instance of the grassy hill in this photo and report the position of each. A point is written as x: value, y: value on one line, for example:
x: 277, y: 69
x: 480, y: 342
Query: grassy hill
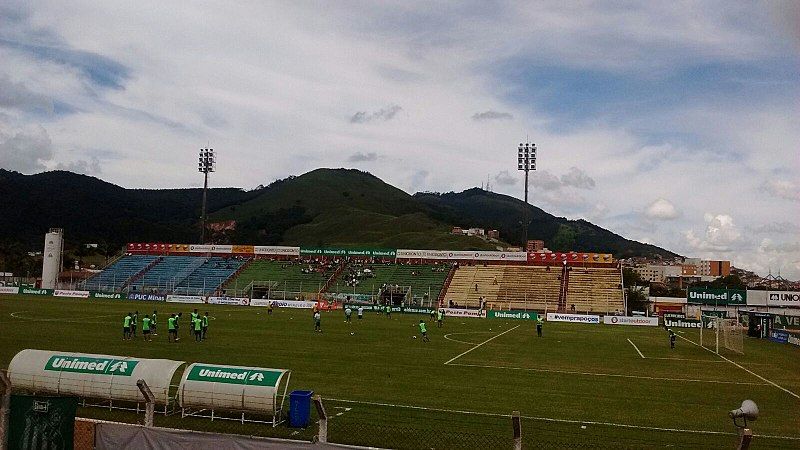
x: 340, y: 207
x: 476, y: 207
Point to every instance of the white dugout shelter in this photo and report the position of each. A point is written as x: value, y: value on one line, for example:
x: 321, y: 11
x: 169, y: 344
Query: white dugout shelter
x: 85, y: 375
x: 233, y: 388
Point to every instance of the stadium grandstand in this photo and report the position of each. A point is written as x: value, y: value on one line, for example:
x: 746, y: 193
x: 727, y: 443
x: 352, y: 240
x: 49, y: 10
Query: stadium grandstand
x: 417, y: 284
x: 543, y: 288
x: 566, y: 282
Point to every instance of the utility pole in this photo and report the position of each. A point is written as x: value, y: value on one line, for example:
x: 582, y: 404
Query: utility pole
x: 205, y: 165
x: 526, y: 161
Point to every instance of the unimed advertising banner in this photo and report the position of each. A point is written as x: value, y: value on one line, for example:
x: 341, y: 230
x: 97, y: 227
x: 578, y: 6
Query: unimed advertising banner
x: 631, y: 320
x: 576, y: 318
x: 708, y: 296
x: 9, y: 290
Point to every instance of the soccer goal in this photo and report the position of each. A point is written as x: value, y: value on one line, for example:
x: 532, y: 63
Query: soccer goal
x: 722, y: 333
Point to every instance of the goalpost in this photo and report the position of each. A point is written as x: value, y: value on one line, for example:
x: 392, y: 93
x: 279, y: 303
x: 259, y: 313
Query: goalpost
x: 724, y: 333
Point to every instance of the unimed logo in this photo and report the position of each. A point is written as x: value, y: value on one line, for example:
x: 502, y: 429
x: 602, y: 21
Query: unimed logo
x: 98, y: 366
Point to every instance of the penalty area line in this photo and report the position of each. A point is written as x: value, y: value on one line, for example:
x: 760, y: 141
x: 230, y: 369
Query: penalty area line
x: 745, y: 369
x: 478, y: 345
x: 554, y: 420
x: 637, y: 349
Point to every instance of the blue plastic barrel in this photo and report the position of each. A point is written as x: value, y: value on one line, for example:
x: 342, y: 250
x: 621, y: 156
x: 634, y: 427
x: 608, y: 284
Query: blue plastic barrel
x: 300, y: 408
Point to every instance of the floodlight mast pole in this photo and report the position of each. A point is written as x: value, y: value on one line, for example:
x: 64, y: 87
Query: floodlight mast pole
x: 205, y: 165
x: 526, y: 161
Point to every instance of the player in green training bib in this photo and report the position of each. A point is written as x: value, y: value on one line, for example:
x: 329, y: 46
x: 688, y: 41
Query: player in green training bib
x: 197, y: 325
x: 172, y: 329
x: 423, y: 329
x: 146, y: 328
x: 126, y: 327
x: 205, y: 325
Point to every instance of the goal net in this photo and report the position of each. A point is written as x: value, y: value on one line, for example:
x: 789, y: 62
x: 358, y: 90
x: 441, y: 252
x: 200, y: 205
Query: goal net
x: 718, y: 332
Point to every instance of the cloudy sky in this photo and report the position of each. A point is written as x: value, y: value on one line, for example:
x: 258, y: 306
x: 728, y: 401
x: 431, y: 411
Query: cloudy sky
x: 674, y: 123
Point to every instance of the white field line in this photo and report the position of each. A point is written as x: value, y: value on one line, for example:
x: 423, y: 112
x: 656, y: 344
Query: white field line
x: 611, y: 375
x: 745, y: 369
x: 685, y: 359
x: 672, y: 359
x: 478, y: 345
x: 550, y: 419
x: 637, y: 348
x: 465, y: 332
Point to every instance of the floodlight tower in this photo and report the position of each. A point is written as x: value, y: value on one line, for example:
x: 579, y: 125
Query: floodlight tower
x: 526, y: 161
x: 205, y: 165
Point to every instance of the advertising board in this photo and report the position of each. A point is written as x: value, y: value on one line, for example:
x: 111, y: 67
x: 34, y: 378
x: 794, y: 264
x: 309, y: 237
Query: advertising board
x: 229, y: 301
x: 783, y: 298
x: 9, y: 290
x: 147, y: 297
x: 234, y: 375
x: 676, y: 320
x: 779, y: 336
x: 73, y: 294
x: 574, y: 318
x: 709, y: 296
x: 185, y: 299
x: 276, y: 250
x: 452, y: 312
x: 631, y: 320
x: 791, y: 322
x: 34, y: 291
x: 108, y: 295
x: 282, y: 303
x: 513, y: 315
x: 462, y: 255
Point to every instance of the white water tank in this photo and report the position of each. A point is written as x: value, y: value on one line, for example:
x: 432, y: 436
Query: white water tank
x: 52, y: 256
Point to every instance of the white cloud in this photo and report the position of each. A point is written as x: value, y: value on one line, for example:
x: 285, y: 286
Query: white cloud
x: 784, y: 189
x: 721, y: 235
x: 26, y: 151
x: 662, y: 209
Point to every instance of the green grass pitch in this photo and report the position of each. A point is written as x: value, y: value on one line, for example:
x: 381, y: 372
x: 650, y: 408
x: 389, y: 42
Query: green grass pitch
x: 588, y: 385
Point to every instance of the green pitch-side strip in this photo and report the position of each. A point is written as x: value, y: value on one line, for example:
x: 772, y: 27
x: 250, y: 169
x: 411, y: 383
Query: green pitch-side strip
x: 247, y: 376
x: 96, y: 366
